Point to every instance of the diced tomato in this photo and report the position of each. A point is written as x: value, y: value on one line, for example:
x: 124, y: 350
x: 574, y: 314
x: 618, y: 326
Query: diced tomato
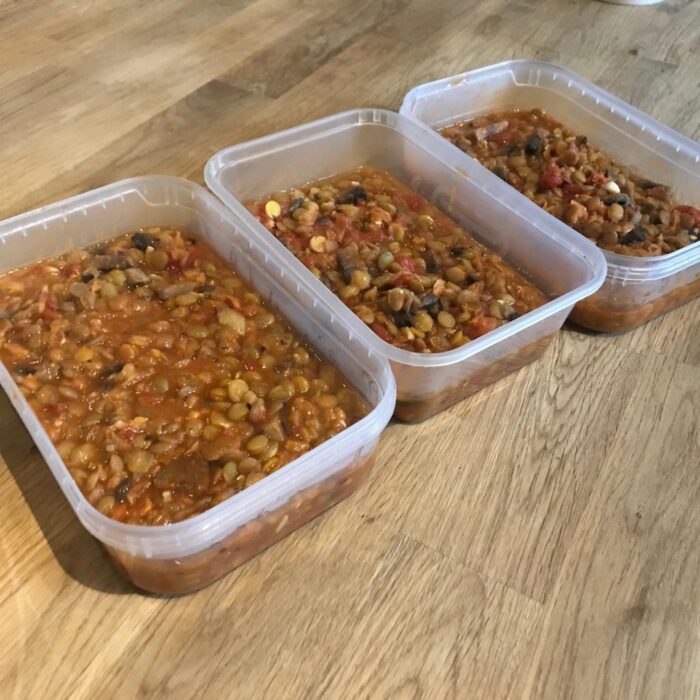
x: 381, y: 331
x: 71, y: 270
x: 413, y: 201
x: 402, y: 279
x: 551, y: 177
x: 346, y: 233
x: 480, y: 326
x: 194, y: 254
x: 173, y: 264
x: 371, y: 235
x: 56, y: 409
x: 206, y: 314
x: 342, y: 223
x: 375, y: 234
x: 259, y: 211
x: 50, y: 311
x: 657, y: 193
x: 597, y: 178
x: 695, y: 213
x: 407, y: 263
x: 297, y: 244
x: 350, y: 235
x: 152, y: 399
x: 503, y: 137
x: 571, y: 190
x: 128, y: 434
x: 119, y: 511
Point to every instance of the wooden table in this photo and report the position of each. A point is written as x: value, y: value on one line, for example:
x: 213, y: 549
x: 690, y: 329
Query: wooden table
x: 538, y: 540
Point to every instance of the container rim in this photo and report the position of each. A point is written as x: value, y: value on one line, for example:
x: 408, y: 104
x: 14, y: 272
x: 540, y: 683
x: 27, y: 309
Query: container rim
x: 488, y: 184
x: 619, y: 266
x: 206, y: 528
x: 652, y: 266
x: 635, y: 115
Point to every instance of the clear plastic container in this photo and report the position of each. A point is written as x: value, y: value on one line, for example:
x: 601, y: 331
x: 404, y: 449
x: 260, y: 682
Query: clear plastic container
x: 636, y: 289
x: 188, y: 555
x: 560, y: 262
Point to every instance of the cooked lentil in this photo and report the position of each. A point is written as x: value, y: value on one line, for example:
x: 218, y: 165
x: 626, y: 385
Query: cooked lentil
x: 163, y: 379
x: 565, y: 174
x: 416, y: 278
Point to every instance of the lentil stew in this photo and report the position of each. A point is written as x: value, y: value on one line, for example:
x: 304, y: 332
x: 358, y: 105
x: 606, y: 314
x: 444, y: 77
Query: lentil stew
x: 568, y: 176
x: 416, y: 278
x: 166, y: 383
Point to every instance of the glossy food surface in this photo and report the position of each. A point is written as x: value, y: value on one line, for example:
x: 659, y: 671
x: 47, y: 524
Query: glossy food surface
x: 568, y: 176
x: 416, y: 278
x: 166, y: 383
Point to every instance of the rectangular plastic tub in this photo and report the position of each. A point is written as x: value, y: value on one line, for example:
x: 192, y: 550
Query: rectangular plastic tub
x: 636, y: 289
x: 560, y: 262
x: 188, y: 555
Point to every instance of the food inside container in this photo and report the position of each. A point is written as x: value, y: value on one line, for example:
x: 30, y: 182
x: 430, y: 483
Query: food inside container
x: 624, y: 213
x: 201, y: 539
x: 166, y: 383
x: 183, y: 574
x: 629, y: 302
x: 473, y: 286
x: 564, y: 172
x: 410, y: 273
x: 489, y: 372
x: 626, y: 182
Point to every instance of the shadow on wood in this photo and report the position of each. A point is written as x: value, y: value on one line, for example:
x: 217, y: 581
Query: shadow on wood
x: 80, y: 555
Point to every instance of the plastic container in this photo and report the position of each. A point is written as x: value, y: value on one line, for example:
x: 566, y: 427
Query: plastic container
x: 636, y: 289
x: 559, y: 261
x: 188, y: 555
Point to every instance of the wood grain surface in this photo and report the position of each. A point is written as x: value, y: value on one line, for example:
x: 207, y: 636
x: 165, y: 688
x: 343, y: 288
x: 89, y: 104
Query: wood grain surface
x: 539, y: 540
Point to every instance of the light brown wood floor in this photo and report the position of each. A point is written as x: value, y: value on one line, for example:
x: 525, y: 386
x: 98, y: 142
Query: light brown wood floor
x: 539, y: 540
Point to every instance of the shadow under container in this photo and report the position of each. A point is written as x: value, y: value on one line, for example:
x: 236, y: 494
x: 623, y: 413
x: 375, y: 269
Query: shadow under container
x: 186, y: 556
x: 562, y: 263
x: 636, y: 289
